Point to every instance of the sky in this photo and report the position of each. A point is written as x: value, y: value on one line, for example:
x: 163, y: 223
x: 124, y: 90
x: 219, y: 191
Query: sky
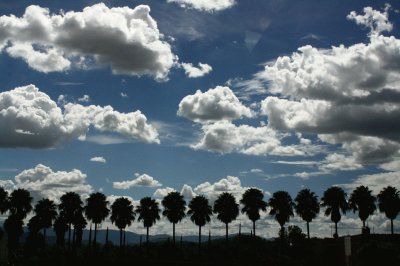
x: 140, y: 98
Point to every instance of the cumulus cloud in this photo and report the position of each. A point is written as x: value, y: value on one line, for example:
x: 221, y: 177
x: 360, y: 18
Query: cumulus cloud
x: 226, y: 137
x: 42, y: 182
x: 143, y: 180
x: 205, y: 5
x: 376, y: 182
x: 162, y: 192
x: 98, y: 159
x: 56, y: 42
x: 346, y: 95
x: 215, y: 104
x: 30, y: 118
x: 84, y: 99
x: 196, y: 72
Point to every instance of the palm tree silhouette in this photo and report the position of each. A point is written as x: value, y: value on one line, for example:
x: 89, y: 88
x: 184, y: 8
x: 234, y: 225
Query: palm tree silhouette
x: 4, y: 202
x: 389, y: 203
x: 13, y: 227
x: 60, y: 227
x: 148, y: 212
x: 79, y: 223
x: 361, y: 200
x: 307, y: 206
x: 334, y: 199
x: 174, y: 209
x: 252, y: 199
x: 227, y: 210
x: 281, y: 206
x: 20, y: 203
x: 200, y: 212
x: 96, y: 210
x: 46, y: 210
x: 70, y: 205
x: 122, y: 215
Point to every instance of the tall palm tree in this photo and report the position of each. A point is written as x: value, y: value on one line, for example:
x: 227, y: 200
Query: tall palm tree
x: 281, y: 206
x: 20, y: 203
x: 70, y: 205
x: 226, y: 209
x: 96, y: 210
x: 200, y: 212
x: 79, y: 223
x: 389, y: 203
x: 4, y: 203
x: 363, y: 201
x: 122, y: 215
x: 307, y: 206
x: 334, y: 199
x: 174, y: 209
x: 149, y: 213
x: 46, y: 210
x: 252, y: 200
x: 13, y: 227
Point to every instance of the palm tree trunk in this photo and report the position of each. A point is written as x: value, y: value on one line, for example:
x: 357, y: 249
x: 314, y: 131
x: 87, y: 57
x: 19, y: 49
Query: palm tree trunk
x: 226, y: 232
x: 391, y: 226
x: 147, y: 235
x: 44, y: 235
x: 173, y: 232
x: 363, y: 223
x: 95, y: 234
x: 107, y: 236
x: 199, y: 236
x: 90, y: 235
x: 254, y: 228
x: 308, y: 230
x: 336, y: 230
x: 120, y: 237
x: 69, y: 235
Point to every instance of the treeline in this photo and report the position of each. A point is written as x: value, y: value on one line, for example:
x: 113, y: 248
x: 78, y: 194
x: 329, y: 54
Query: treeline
x: 72, y: 214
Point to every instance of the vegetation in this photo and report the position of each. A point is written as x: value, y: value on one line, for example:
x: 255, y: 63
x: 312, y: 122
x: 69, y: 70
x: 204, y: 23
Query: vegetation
x: 361, y: 200
x: 334, y: 200
x: 281, y: 207
x: 174, y: 209
x: 200, y: 212
x: 226, y: 209
x: 122, y: 215
x: 389, y: 203
x: 307, y: 206
x: 149, y: 213
x: 252, y: 201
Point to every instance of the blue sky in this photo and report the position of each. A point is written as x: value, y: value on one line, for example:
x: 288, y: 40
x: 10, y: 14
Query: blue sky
x: 199, y: 96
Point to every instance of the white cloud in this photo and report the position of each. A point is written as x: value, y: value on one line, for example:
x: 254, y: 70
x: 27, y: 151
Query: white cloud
x: 225, y: 137
x: 196, y: 72
x: 84, y: 99
x: 187, y: 192
x: 162, y: 192
x: 124, y: 95
x: 143, y: 180
x: 98, y: 159
x: 376, y: 182
x: 346, y: 95
x: 55, y: 42
x: 29, y: 118
x: 42, y: 182
x: 205, y: 5
x: 339, y: 162
x: 215, y: 104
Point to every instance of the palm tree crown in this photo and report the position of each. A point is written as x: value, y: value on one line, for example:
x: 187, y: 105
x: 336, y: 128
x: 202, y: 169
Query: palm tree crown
x: 252, y: 201
x: 281, y: 206
x: 122, y: 215
x: 200, y: 212
x: 47, y: 211
x: 4, y: 203
x: 389, y: 203
x: 174, y: 208
x: 20, y: 203
x: 148, y: 212
x: 363, y: 201
x: 227, y: 209
x: 334, y: 199
x: 70, y: 207
x: 307, y: 206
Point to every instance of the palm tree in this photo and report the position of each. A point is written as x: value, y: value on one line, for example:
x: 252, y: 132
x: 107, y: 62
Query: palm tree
x: 122, y: 215
x: 60, y: 227
x: 70, y: 205
x: 20, y: 203
x: 79, y: 224
x: 281, y: 206
x: 252, y: 200
x: 200, y: 212
x: 227, y: 209
x: 334, y: 200
x: 148, y: 212
x: 96, y: 210
x: 4, y: 203
x: 307, y: 206
x: 389, y: 203
x: 361, y: 200
x: 174, y: 209
x: 46, y: 210
x: 13, y: 226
